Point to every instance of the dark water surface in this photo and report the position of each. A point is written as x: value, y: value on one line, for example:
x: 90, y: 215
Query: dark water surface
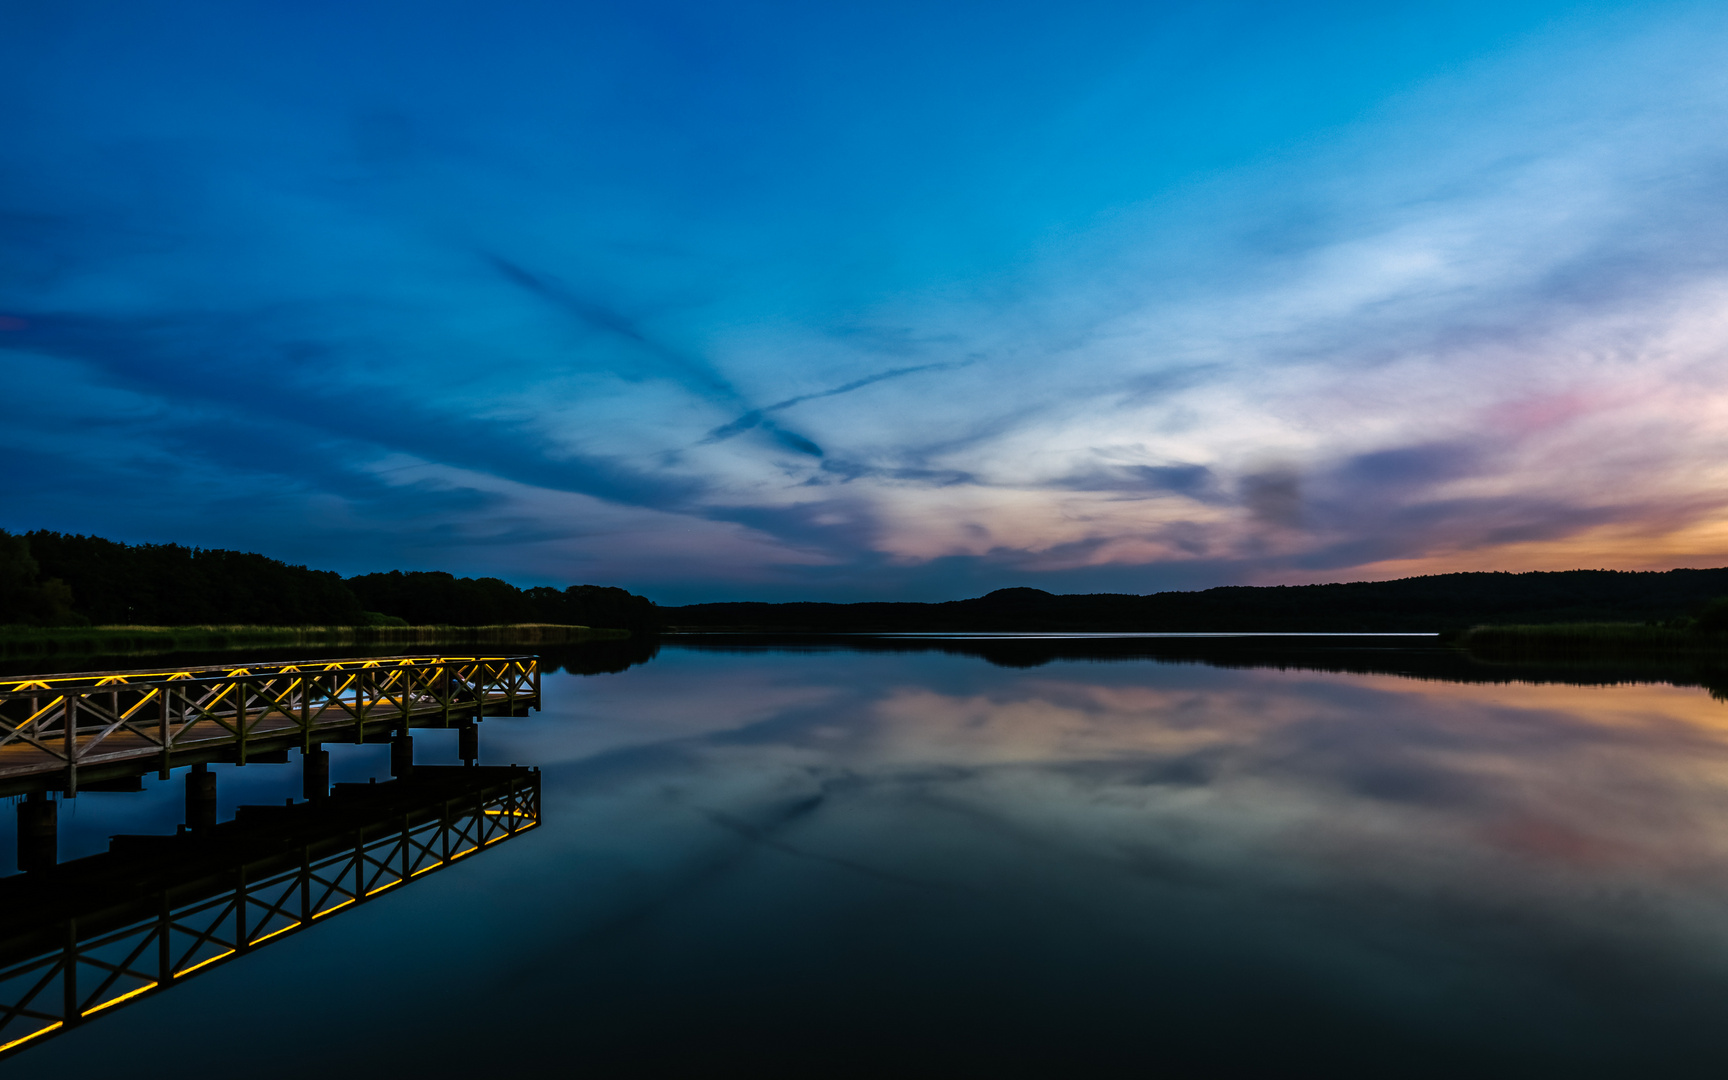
x: 900, y: 860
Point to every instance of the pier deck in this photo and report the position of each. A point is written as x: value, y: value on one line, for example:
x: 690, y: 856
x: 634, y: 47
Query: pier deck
x: 94, y: 726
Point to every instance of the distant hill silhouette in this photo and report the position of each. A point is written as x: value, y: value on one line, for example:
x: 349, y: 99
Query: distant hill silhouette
x: 1437, y: 602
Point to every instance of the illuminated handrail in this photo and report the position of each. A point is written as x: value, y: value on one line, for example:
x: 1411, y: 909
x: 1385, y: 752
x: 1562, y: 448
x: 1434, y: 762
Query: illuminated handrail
x: 58, y: 723
x: 19, y: 683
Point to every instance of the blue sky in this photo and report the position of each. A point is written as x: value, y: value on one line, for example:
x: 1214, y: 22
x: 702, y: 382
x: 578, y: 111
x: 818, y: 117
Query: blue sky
x: 838, y: 301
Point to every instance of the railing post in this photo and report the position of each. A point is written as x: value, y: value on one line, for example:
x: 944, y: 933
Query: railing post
x: 360, y: 705
x: 164, y: 948
x: 70, y: 742
x: 444, y: 831
x: 305, y: 711
x: 443, y: 685
x: 240, y: 934
x: 165, y: 705
x: 240, y: 713
x: 69, y: 975
x: 359, y: 867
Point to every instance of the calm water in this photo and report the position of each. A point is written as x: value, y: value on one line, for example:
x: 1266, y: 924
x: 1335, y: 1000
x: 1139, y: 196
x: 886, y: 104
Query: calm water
x: 828, y: 861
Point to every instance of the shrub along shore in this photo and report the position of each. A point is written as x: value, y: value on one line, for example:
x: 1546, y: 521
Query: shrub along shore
x: 117, y: 640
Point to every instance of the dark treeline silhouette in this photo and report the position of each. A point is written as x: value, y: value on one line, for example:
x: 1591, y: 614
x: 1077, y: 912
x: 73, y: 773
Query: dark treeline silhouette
x: 49, y: 579
x: 26, y: 594
x: 169, y: 585
x: 428, y: 598
x: 1435, y: 603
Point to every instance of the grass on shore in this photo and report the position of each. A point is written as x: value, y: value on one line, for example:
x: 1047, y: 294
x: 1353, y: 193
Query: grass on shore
x: 1586, y: 639
x: 50, y: 641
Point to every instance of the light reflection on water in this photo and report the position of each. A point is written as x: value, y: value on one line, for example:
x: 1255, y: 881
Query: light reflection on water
x: 904, y: 862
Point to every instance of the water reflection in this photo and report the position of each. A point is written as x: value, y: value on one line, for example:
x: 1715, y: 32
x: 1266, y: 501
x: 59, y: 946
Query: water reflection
x: 85, y: 937
x: 892, y: 860
x: 1178, y: 864
x: 1422, y: 656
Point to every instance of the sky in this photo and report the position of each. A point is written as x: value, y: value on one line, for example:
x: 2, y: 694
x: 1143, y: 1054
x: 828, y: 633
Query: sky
x: 742, y: 300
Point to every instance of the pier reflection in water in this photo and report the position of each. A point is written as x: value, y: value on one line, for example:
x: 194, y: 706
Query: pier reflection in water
x: 81, y: 938
x: 912, y: 858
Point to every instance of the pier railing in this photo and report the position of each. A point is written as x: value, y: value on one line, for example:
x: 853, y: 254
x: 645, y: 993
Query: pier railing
x: 62, y: 723
x: 88, y: 936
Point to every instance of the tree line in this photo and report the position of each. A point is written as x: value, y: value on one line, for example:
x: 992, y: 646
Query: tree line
x: 1437, y: 602
x: 49, y: 578
x: 62, y: 579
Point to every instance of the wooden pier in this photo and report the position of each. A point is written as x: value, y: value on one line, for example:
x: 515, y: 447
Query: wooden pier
x: 89, y: 936
x: 94, y: 727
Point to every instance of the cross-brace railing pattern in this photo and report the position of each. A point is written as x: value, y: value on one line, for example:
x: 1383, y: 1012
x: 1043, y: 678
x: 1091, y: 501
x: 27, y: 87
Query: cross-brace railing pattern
x: 225, y: 911
x: 53, y: 723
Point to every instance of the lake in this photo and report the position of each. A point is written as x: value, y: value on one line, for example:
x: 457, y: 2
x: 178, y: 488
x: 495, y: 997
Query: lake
x: 1011, y: 857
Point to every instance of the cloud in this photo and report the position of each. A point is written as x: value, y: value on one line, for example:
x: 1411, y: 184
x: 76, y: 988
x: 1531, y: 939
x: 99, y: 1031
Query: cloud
x: 954, y: 334
x: 757, y: 417
x: 1274, y: 497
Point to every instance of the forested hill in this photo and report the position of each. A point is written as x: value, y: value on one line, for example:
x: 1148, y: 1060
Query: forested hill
x: 1437, y: 602
x: 49, y: 578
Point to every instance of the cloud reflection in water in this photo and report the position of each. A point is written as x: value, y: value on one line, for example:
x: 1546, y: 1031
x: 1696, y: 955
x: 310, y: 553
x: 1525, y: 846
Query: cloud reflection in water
x: 1365, y: 865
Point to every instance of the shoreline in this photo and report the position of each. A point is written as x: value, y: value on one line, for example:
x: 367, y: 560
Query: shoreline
x: 1587, y: 640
